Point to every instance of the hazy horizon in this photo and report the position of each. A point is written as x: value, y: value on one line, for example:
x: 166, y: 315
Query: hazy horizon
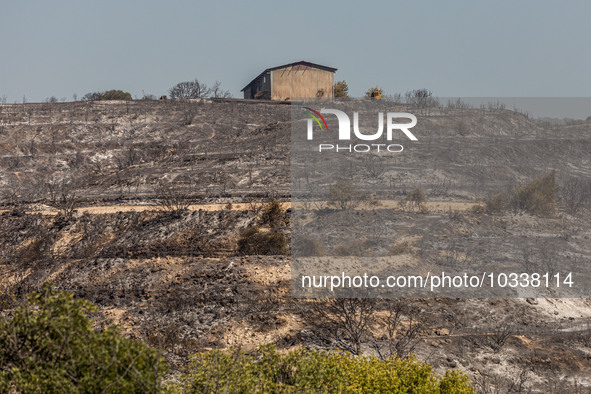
x: 460, y: 48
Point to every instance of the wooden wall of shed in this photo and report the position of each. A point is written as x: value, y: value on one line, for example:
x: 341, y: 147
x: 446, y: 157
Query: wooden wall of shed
x: 289, y: 83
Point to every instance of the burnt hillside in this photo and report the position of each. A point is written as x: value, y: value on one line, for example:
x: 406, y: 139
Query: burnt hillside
x: 141, y: 207
x: 112, y: 151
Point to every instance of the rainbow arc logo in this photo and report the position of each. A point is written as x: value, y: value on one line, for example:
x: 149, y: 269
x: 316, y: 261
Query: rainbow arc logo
x: 315, y: 115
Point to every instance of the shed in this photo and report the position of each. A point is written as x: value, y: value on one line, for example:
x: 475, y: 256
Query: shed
x: 293, y: 80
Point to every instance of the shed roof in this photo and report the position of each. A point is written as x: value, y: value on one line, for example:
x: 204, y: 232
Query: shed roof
x: 300, y: 63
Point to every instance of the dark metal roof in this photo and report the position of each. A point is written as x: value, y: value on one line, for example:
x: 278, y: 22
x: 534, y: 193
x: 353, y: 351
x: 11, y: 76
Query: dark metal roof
x: 301, y: 62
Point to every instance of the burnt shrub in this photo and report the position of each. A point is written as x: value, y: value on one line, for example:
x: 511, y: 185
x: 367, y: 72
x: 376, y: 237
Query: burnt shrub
x: 575, y: 194
x: 353, y: 247
x: 399, y: 248
x: 345, y: 196
x: 498, y: 203
x: 306, y: 247
x: 263, y: 95
x: 415, y: 200
x: 272, y: 214
x: 537, y: 197
x: 253, y: 241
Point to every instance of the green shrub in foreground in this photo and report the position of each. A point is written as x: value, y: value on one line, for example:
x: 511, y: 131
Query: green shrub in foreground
x: 49, y: 346
x: 266, y: 370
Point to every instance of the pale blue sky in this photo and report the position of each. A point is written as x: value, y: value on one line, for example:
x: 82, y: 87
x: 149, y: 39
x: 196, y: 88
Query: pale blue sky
x: 454, y: 48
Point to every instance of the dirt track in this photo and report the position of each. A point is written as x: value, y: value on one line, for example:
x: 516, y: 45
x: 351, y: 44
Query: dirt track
x: 437, y: 206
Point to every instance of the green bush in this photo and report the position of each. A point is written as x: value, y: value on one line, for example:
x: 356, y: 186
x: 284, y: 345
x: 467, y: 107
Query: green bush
x: 48, y: 345
x: 108, y: 95
x: 341, y: 89
x: 268, y: 371
x: 253, y: 241
x: 116, y: 95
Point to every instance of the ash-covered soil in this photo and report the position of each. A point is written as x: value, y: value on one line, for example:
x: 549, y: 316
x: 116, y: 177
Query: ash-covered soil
x: 113, y: 151
x: 175, y: 277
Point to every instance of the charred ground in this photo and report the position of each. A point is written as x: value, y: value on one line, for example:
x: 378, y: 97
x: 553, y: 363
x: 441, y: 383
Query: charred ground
x: 171, y: 272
